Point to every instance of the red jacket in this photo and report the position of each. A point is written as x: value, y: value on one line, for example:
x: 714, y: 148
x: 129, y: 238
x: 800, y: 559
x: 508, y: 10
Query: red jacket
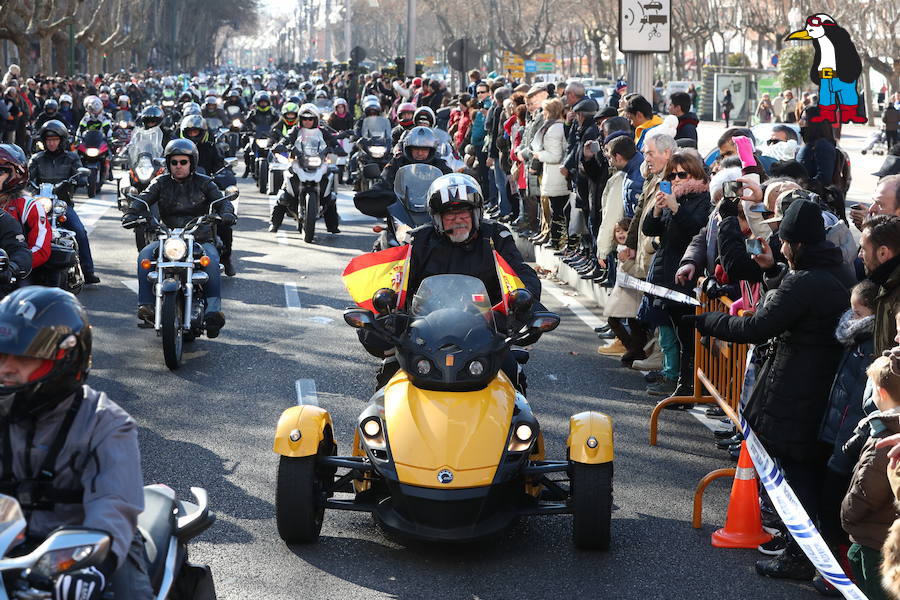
x: 462, y: 130
x: 35, y: 227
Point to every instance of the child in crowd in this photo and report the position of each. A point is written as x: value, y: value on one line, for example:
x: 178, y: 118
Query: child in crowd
x: 868, y: 510
x: 622, y: 304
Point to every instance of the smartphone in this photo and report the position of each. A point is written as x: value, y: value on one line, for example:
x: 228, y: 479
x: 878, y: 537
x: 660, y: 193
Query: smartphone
x: 595, y: 146
x: 754, y: 247
x: 665, y: 187
x: 859, y: 206
x: 732, y: 189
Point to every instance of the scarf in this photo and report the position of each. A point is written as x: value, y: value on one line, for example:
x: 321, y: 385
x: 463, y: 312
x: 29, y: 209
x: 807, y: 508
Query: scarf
x: 851, y: 331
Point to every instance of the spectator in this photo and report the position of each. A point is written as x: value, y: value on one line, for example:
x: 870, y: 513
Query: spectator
x: 616, y: 97
x: 818, y: 154
x: 692, y: 92
x: 479, y: 131
x: 868, y: 509
x: 879, y: 248
x: 675, y: 219
x: 494, y: 133
x: 891, y: 120
x: 585, y: 130
x: 640, y: 113
x: 534, y: 99
x: 782, y: 144
x: 622, y: 303
x: 789, y: 398
x: 12, y: 113
x: 625, y: 157
x: 727, y: 106
x: 778, y: 107
x: 515, y: 128
x: 549, y: 147
x: 789, y: 111
x: 680, y: 106
x: 885, y: 201
x: 764, y: 110
x: 474, y: 81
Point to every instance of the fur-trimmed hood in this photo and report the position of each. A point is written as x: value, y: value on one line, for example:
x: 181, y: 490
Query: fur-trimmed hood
x: 684, y: 187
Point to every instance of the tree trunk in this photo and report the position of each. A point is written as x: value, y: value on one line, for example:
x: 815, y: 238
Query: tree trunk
x: 867, y: 86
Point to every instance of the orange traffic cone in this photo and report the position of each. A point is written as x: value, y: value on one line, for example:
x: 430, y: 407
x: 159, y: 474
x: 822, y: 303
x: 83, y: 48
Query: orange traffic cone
x: 743, y: 525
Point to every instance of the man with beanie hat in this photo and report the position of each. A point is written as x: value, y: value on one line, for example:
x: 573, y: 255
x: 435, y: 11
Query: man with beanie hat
x: 790, y: 396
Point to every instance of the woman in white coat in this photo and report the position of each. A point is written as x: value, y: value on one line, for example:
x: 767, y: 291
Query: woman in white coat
x: 549, y: 147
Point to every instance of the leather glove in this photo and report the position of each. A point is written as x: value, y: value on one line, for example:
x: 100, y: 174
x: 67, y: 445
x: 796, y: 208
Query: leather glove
x: 728, y: 208
x: 711, y: 288
x: 228, y: 219
x: 87, y: 584
x: 131, y: 219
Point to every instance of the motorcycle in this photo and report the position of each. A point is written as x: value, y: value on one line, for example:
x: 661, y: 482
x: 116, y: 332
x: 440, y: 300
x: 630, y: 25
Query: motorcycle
x: 279, y: 154
x: 448, y: 450
x: 257, y: 145
x: 404, y: 210
x: 63, y: 268
x: 167, y: 524
x: 94, y: 152
x: 235, y: 126
x: 311, y: 166
x: 374, y: 146
x: 122, y: 130
x: 178, y: 283
x: 144, y: 163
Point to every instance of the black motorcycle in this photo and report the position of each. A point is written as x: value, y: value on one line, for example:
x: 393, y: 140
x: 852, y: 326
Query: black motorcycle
x: 94, y: 152
x: 63, y: 268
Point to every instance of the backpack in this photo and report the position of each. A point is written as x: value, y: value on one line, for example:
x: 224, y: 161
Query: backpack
x: 841, y: 177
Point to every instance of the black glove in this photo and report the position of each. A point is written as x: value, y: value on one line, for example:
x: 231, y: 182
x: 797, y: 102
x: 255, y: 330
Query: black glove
x: 711, y: 288
x: 228, y: 219
x: 130, y: 220
x: 87, y: 584
x: 728, y: 208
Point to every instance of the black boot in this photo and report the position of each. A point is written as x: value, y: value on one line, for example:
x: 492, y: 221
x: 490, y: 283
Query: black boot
x: 278, y: 212
x: 791, y: 564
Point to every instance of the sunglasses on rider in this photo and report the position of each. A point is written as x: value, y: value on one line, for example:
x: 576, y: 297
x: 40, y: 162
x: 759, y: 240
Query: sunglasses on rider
x: 181, y: 163
x: 679, y: 174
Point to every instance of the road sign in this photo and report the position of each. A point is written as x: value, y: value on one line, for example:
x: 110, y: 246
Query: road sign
x: 645, y: 26
x: 546, y: 63
x: 530, y: 66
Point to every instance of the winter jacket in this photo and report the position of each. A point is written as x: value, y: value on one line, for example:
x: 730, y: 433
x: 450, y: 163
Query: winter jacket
x: 31, y: 217
x: 845, y: 402
x: 612, y: 211
x: 100, y: 456
x: 868, y: 509
x: 549, y: 147
x: 463, y: 124
x: 733, y: 256
x: 890, y: 117
x: 53, y: 167
x: 181, y: 201
x: 532, y: 125
x: 788, y: 402
x: 887, y: 303
x: 676, y: 230
x: 478, y: 129
x: 687, y: 126
x: 632, y: 185
x: 818, y: 159
x: 640, y: 132
x: 13, y: 241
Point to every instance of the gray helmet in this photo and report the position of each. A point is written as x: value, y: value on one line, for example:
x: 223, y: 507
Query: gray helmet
x: 194, y: 122
x: 51, y: 104
x: 455, y: 191
x: 191, y: 108
x: 54, y: 127
x: 420, y: 137
x: 182, y: 147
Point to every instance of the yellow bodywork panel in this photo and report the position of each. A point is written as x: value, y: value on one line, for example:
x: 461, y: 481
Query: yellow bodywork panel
x: 584, y: 426
x: 432, y: 431
x: 310, y: 421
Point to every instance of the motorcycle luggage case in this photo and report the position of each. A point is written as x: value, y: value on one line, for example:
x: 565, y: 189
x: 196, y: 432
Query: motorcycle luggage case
x: 61, y: 257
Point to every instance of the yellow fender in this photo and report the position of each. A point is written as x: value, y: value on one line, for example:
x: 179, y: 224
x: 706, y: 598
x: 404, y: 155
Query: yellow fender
x: 307, y: 420
x: 588, y: 429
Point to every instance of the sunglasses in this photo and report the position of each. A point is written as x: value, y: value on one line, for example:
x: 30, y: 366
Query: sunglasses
x: 181, y: 163
x: 771, y: 141
x: 679, y: 174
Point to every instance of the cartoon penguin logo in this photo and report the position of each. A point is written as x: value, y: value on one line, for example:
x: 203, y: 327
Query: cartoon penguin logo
x: 836, y: 68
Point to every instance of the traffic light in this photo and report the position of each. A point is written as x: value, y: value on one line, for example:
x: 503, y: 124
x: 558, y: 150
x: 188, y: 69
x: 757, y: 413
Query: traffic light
x: 420, y: 69
x: 400, y: 61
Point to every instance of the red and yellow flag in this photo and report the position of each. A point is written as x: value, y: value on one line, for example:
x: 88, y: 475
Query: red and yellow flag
x: 368, y: 273
x: 509, y: 281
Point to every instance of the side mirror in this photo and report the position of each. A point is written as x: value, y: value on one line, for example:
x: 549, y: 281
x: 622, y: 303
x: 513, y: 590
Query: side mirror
x: 230, y: 162
x: 545, y: 321
x: 358, y: 317
x: 520, y: 302
x: 70, y: 550
x: 384, y: 301
x: 159, y: 162
x: 82, y: 171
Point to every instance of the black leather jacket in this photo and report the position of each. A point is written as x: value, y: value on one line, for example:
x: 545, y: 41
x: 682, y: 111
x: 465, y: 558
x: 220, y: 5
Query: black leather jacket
x: 181, y: 201
x: 258, y: 118
x: 211, y: 161
x: 13, y: 241
x: 53, y: 167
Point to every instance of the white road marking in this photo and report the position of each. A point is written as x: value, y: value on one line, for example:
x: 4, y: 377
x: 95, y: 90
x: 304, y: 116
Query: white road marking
x: 348, y: 212
x: 291, y: 295
x: 589, y: 318
x: 306, y: 392
x: 91, y: 210
x: 131, y: 284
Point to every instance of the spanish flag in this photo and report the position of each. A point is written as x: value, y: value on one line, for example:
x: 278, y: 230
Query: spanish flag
x: 368, y: 273
x: 509, y: 281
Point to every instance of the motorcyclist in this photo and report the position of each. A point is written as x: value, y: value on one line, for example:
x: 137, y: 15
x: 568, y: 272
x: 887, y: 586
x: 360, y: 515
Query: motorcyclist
x: 66, y: 111
x: 51, y: 111
x: 29, y: 213
x: 233, y: 98
x: 459, y: 241
x: 288, y: 195
x: 191, y: 108
x: 94, y: 118
x: 340, y: 118
x: 371, y: 108
x: 419, y: 147
x: 124, y: 112
x: 261, y: 118
x: 211, y: 110
x: 405, y: 113
x: 54, y: 164
x: 212, y: 162
x: 183, y: 194
x: 285, y: 124
x: 151, y: 119
x: 71, y: 454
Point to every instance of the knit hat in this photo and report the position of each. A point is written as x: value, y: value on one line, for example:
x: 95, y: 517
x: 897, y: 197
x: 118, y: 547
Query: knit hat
x: 802, y: 222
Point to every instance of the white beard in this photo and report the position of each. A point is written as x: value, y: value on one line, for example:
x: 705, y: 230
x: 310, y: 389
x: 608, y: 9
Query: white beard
x: 459, y: 235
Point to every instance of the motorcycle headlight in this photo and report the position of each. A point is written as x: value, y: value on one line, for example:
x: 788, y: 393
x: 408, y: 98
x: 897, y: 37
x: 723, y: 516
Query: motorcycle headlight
x: 236, y: 123
x: 231, y: 189
x: 46, y: 204
x: 174, y: 249
x: 144, y: 173
x: 377, y: 151
x: 263, y: 143
x: 168, y: 103
x: 59, y: 209
x: 123, y: 124
x: 313, y: 161
x: 93, y: 152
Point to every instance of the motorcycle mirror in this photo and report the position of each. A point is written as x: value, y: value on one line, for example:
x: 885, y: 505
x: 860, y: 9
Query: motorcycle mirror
x: 545, y: 321
x: 71, y: 539
x: 159, y: 162
x: 520, y: 302
x: 133, y: 197
x: 358, y: 317
x: 230, y: 162
x: 82, y: 171
x: 384, y: 301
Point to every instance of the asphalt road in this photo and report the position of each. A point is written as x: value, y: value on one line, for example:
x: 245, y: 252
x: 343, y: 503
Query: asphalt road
x: 211, y: 424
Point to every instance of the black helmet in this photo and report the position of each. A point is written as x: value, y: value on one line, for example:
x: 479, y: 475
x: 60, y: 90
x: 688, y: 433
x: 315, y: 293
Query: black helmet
x: 51, y: 104
x: 455, y: 192
x: 586, y: 105
x: 152, y: 114
x: 13, y: 159
x: 54, y: 127
x: 262, y: 97
x: 420, y: 137
x: 49, y: 324
x: 182, y: 147
x: 194, y: 122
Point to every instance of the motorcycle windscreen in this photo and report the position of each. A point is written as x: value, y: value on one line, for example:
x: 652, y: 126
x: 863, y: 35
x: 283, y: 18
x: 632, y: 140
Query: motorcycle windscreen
x: 12, y: 523
x: 376, y: 127
x: 144, y: 142
x: 411, y: 185
x: 94, y: 138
